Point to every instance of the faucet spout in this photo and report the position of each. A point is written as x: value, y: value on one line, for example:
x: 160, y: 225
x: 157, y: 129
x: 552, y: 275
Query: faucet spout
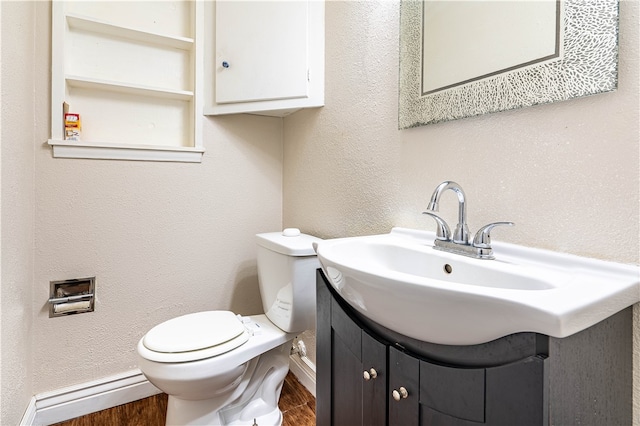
x: 461, y: 233
x: 459, y: 242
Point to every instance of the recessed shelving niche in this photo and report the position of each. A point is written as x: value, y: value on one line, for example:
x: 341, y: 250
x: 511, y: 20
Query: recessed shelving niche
x: 130, y: 69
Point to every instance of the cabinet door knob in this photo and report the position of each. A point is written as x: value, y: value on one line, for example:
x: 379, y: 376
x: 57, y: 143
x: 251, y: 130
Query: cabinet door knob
x: 371, y: 374
x: 400, y: 393
x: 225, y: 64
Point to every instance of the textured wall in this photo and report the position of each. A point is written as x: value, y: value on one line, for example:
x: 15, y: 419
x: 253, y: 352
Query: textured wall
x: 567, y: 173
x: 166, y: 239
x: 17, y: 206
x: 162, y: 239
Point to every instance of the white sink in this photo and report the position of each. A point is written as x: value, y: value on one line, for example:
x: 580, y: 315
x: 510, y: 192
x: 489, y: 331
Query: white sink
x: 399, y: 281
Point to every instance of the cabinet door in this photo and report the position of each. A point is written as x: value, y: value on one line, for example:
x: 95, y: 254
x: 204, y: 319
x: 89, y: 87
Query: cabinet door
x: 351, y: 368
x: 346, y: 374
x: 517, y: 393
x: 262, y: 50
x: 359, y: 377
x: 346, y: 388
x: 374, y: 386
x: 404, y: 388
x: 451, y: 395
x: 323, y: 351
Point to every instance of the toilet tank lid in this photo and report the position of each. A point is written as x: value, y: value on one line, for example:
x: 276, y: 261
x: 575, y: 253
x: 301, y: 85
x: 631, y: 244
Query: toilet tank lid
x: 289, y: 242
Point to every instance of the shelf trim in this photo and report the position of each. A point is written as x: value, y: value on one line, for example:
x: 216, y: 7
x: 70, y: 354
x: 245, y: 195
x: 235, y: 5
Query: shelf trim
x: 129, y: 88
x: 106, y: 28
x: 115, y: 151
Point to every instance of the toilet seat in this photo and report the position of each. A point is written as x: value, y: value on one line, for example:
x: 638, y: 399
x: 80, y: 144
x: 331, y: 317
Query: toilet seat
x: 194, y: 337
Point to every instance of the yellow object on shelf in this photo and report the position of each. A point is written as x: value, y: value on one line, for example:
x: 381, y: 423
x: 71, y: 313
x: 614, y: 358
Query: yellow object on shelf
x: 72, y: 126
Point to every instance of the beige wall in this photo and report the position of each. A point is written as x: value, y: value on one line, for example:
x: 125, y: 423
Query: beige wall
x: 162, y: 239
x: 17, y: 208
x: 567, y: 173
x: 166, y: 239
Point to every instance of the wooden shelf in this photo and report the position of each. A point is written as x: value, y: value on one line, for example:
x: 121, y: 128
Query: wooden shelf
x: 135, y: 89
x: 101, y: 27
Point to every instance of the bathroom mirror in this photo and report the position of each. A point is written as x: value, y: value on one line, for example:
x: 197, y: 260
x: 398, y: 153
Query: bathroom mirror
x: 461, y: 58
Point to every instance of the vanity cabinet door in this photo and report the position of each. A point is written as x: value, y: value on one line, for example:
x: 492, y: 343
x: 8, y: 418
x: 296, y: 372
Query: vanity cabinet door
x: 451, y: 395
x: 517, y: 393
x: 346, y: 369
x: 374, y: 388
x: 358, y: 373
x: 351, y: 386
x: 324, y: 359
x: 404, y: 389
x: 346, y: 386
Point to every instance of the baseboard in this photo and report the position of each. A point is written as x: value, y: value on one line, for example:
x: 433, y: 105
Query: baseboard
x: 75, y: 401
x: 29, y: 417
x: 304, y: 372
x: 86, y: 398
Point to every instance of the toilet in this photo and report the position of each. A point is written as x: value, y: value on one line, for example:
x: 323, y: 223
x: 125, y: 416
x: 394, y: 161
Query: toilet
x: 219, y: 368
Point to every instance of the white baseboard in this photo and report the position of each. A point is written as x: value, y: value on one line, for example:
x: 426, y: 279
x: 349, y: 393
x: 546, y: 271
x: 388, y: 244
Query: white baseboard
x: 74, y: 401
x: 86, y: 398
x: 305, y: 373
x: 29, y: 417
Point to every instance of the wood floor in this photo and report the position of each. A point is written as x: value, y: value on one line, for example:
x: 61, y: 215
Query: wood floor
x: 296, y: 402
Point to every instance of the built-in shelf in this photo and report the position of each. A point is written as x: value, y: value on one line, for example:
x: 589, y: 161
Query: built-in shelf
x: 97, y: 26
x: 131, y: 72
x: 134, y: 89
x: 114, y: 151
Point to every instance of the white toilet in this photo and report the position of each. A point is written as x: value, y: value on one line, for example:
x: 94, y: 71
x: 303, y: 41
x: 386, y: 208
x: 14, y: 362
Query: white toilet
x: 219, y: 368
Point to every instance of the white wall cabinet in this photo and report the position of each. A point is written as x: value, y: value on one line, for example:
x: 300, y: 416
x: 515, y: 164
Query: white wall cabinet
x: 264, y: 57
x: 142, y: 74
x: 132, y: 71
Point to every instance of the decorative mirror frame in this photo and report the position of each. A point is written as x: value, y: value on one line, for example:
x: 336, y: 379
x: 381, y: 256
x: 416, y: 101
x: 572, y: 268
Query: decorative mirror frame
x: 588, y: 65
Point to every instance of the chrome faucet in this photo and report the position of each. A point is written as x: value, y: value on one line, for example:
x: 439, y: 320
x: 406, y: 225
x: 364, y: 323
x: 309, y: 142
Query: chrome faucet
x: 459, y: 242
x: 461, y: 233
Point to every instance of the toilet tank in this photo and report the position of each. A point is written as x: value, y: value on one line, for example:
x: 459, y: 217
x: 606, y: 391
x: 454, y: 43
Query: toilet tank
x: 287, y: 266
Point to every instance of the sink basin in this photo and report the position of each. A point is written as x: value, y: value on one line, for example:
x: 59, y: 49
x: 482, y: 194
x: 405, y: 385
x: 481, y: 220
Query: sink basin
x: 399, y: 281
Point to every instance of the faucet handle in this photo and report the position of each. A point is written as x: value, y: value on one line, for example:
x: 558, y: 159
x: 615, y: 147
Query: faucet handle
x: 443, y: 232
x: 483, y: 236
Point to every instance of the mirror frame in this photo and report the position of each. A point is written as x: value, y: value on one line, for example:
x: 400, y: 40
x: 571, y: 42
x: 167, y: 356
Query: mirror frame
x: 588, y: 64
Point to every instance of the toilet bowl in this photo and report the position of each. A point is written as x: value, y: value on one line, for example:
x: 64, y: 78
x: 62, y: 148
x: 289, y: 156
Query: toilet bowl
x: 219, y: 368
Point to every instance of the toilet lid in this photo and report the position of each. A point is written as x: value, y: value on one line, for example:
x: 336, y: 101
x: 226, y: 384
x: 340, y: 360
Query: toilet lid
x: 196, y: 332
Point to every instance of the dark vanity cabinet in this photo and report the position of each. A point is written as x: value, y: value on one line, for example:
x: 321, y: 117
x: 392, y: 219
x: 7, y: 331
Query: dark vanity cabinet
x: 353, y: 375
x: 368, y: 375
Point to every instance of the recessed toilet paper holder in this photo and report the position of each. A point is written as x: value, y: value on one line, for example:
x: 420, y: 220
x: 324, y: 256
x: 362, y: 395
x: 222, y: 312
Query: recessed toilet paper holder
x: 69, y: 297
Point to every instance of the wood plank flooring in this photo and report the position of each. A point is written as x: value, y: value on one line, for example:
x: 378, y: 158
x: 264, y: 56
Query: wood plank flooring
x: 296, y: 402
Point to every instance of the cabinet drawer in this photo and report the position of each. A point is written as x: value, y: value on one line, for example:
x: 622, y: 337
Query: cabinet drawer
x: 456, y: 392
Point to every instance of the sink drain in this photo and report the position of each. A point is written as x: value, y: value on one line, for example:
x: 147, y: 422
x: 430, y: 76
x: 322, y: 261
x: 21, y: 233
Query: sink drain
x: 447, y: 268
